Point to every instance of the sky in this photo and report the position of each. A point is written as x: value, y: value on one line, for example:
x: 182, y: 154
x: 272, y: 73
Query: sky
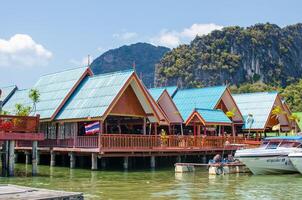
x: 41, y: 37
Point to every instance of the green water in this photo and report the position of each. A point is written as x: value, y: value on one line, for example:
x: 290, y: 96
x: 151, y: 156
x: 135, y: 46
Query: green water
x: 159, y: 184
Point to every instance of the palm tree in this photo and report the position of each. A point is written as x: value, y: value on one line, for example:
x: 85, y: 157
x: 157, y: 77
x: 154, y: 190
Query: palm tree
x: 231, y: 113
x: 34, y: 95
x: 294, y: 118
x: 277, y: 112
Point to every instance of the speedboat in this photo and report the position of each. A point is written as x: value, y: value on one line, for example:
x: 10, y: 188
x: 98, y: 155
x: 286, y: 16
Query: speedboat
x: 296, y: 159
x: 272, y: 155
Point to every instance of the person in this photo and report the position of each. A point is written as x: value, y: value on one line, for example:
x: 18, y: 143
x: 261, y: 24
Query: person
x: 230, y: 158
x: 217, y: 158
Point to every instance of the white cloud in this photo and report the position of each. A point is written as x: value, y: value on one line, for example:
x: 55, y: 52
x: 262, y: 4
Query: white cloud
x: 174, y: 38
x: 166, y: 38
x: 21, y: 51
x: 126, y: 36
x: 200, y: 29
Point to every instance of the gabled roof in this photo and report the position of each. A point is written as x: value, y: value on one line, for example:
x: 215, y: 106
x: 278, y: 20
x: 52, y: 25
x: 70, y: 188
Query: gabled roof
x: 19, y: 97
x: 94, y: 95
x: 157, y: 92
x: 187, y: 100
x: 210, y: 116
x: 7, y: 92
x: 54, y: 90
x: 258, y: 104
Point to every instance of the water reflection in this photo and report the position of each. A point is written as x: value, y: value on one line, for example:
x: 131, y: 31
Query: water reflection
x: 160, y: 184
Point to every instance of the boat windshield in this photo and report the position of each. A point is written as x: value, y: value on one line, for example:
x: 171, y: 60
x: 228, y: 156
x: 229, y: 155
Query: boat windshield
x: 288, y: 144
x: 272, y: 145
x: 263, y: 144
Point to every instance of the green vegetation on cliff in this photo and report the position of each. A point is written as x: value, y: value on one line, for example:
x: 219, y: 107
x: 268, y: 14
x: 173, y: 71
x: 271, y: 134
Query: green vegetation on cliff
x: 261, y: 53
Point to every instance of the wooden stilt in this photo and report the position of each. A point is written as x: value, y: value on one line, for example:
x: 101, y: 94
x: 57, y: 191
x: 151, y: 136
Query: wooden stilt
x: 4, y: 158
x: 11, y: 158
x: 52, y: 158
x: 94, y: 161
x: 152, y: 162
x: 72, y: 160
x: 125, y: 164
x: 34, y: 158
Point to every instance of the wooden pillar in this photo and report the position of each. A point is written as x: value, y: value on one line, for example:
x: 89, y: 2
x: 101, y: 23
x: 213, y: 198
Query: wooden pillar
x: 52, y: 158
x: 198, y: 130
x: 27, y: 157
x: 11, y: 158
x: 222, y: 130
x: 4, y: 158
x: 34, y: 158
x: 233, y: 130
x: 219, y: 130
x: 126, y: 163
x: 72, y: 161
x: 103, y: 163
x: 94, y: 161
x: 75, y: 135
x: 181, y: 129
x: 100, y: 135
x: 204, y: 159
x: 178, y: 159
x: 194, y: 129
x: 205, y: 130
x: 152, y: 162
x: 155, y: 128
x: 144, y: 126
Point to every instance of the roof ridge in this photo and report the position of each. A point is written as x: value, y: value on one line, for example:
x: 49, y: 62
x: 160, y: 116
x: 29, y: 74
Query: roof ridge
x: 112, y: 73
x: 250, y: 93
x: 58, y: 72
x: 217, y: 86
x: 164, y: 87
x: 208, y: 109
x: 8, y: 86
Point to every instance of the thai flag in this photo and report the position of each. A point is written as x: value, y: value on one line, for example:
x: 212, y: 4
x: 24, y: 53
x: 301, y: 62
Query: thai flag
x: 92, y: 128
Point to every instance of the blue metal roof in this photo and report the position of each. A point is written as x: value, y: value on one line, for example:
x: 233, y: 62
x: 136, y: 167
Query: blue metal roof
x: 187, y: 100
x: 94, y: 95
x: 213, y: 115
x: 258, y: 104
x: 53, y: 89
x: 7, y: 92
x: 284, y: 138
x: 156, y: 92
x: 19, y: 97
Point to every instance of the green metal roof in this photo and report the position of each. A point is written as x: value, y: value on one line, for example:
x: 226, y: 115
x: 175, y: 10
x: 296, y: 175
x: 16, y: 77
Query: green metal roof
x: 213, y: 115
x: 53, y: 89
x: 7, y: 92
x: 156, y: 92
x: 187, y: 100
x: 19, y: 97
x: 94, y: 95
x: 258, y: 104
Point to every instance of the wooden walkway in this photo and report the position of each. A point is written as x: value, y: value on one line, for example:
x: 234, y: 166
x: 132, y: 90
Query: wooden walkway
x: 13, y: 192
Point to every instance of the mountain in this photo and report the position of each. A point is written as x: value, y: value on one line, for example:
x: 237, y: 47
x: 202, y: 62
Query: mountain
x: 144, y: 55
x: 235, y: 55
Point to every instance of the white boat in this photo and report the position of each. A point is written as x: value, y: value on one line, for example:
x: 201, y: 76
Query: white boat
x: 296, y: 159
x: 272, y: 155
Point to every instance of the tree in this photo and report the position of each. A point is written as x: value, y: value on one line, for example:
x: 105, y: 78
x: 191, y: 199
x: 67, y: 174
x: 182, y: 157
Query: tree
x: 22, y: 110
x: 295, y: 119
x: 276, y: 113
x: 34, y: 95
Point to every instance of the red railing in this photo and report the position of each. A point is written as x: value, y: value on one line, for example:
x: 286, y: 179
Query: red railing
x: 145, y: 142
x: 19, y: 124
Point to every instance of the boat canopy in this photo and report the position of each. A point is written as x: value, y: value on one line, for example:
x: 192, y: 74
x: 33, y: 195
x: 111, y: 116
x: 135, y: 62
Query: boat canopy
x: 284, y: 138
